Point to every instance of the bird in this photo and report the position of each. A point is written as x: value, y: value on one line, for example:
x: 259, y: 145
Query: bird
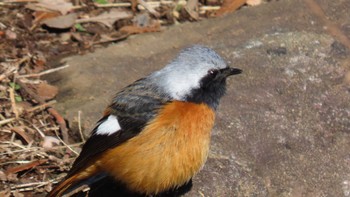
x: 155, y: 135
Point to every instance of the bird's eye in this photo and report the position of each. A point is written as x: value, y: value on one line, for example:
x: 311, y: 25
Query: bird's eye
x: 212, y: 72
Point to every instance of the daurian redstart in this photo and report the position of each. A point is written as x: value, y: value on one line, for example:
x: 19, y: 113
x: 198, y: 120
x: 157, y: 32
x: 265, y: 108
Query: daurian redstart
x: 155, y: 135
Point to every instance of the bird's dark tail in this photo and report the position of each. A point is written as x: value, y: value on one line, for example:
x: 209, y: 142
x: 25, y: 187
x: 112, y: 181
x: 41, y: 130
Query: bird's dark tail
x: 73, y: 181
x: 63, y: 186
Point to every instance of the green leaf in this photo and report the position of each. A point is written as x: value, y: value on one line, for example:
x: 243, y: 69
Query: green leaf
x: 18, y: 98
x: 79, y: 27
x: 101, y: 1
x: 15, y: 86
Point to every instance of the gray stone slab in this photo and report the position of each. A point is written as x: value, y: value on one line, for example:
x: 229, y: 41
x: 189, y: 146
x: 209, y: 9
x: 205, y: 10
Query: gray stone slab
x: 283, y: 128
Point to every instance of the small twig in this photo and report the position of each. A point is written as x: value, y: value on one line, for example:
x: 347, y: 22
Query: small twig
x: 7, y: 73
x: 79, y: 125
x: 42, y: 106
x: 2, y: 122
x: 13, y: 101
x: 24, y: 189
x: 31, y: 81
x: 39, y: 131
x: 5, y: 130
x: 71, y: 145
x: 26, y: 185
x: 44, y: 72
x: 35, y: 184
x: 35, y: 149
x: 149, y: 8
x: 20, y: 1
x: 17, y: 145
x: 58, y: 137
x: 52, y: 128
x: 209, y: 8
x: 15, y: 162
x: 149, y: 3
x: 107, y: 5
x: 13, y: 136
x: 35, y: 127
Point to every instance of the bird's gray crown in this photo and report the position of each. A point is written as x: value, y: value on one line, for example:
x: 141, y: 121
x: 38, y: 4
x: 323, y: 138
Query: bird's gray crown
x: 184, y: 73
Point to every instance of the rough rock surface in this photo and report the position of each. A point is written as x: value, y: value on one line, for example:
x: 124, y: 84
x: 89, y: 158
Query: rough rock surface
x: 283, y: 129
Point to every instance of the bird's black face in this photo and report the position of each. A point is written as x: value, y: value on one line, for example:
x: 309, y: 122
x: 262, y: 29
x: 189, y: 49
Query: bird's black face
x: 212, y: 87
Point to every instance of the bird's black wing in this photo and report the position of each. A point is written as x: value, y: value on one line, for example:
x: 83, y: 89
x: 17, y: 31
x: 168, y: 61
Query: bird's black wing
x: 134, y: 107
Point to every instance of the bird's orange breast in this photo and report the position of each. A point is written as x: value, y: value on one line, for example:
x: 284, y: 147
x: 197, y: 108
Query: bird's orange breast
x: 167, y: 153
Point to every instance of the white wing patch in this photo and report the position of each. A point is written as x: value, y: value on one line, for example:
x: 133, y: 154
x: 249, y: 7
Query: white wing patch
x: 109, y: 126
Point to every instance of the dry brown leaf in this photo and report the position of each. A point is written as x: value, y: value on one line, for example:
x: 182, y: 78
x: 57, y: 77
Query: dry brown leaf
x: 61, y: 22
x: 61, y: 6
x: 108, y: 18
x: 229, y: 6
x: 23, y: 106
x: 77, y: 37
x: 107, y: 38
x: 26, y: 166
x: 41, y: 15
x: 21, y: 132
x: 192, y: 9
x: 46, y: 91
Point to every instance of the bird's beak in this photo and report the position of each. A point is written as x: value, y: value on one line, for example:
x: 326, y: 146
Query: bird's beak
x: 231, y: 71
